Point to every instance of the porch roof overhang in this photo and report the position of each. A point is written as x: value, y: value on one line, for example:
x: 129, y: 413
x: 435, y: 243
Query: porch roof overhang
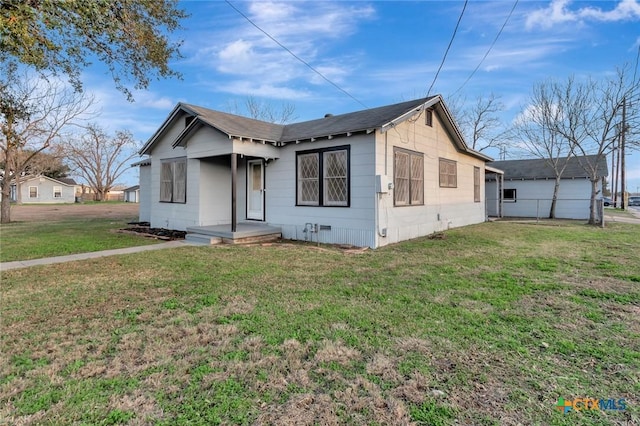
x: 237, y: 144
x: 493, y: 170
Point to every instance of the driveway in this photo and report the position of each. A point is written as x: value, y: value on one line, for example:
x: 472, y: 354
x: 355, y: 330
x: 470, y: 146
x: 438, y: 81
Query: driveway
x: 634, y: 218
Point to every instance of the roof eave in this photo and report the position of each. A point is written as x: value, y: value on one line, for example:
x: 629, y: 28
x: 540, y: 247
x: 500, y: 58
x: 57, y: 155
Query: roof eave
x: 428, y: 104
x: 145, y: 150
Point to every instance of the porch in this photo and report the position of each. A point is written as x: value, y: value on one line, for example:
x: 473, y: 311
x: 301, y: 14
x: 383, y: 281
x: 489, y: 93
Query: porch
x: 245, y: 233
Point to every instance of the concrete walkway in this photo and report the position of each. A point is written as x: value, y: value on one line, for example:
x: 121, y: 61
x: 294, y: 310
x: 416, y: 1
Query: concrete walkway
x: 92, y: 255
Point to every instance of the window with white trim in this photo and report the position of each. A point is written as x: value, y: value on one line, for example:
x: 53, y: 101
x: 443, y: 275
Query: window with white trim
x: 173, y: 180
x: 33, y: 192
x: 448, y: 173
x: 57, y: 192
x: 509, y: 195
x: 408, y: 177
x: 322, y: 177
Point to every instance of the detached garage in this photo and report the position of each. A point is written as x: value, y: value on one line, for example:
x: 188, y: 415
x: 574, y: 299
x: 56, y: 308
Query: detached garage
x: 526, y: 188
x: 132, y: 194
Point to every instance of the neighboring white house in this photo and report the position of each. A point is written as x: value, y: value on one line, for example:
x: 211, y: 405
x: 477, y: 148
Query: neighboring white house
x: 527, y: 187
x: 368, y: 178
x: 132, y: 194
x: 43, y: 189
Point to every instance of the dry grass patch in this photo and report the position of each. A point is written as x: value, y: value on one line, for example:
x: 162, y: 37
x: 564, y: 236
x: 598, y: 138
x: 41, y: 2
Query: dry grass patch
x: 478, y: 328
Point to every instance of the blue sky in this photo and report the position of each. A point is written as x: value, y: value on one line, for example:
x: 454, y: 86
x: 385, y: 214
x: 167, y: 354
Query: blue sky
x: 379, y: 53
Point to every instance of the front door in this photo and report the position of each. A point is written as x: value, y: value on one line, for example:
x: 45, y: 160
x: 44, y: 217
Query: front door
x: 255, y: 190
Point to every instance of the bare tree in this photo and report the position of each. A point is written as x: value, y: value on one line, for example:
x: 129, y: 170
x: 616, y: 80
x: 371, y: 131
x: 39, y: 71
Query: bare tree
x: 100, y: 158
x: 261, y: 110
x: 533, y: 131
x: 34, y: 114
x: 589, y: 119
x: 480, y: 121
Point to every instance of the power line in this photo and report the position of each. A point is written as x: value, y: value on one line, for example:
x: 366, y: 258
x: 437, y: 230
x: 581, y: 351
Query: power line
x: 448, y: 47
x: 294, y: 55
x: 488, y: 50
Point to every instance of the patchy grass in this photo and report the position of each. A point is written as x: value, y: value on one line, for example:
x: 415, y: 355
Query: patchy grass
x: 488, y: 326
x: 35, y: 240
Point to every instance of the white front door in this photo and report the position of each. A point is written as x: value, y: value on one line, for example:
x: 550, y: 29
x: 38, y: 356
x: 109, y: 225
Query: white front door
x: 255, y: 190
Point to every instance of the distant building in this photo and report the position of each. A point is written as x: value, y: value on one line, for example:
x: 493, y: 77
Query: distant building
x: 526, y: 189
x: 132, y: 194
x: 43, y: 189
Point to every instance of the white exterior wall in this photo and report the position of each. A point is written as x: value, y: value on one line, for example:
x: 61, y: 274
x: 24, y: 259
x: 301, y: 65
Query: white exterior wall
x: 443, y: 208
x: 132, y: 196
x: 176, y: 216
x: 208, y: 142
x: 144, y: 212
x: 349, y: 225
x: 360, y: 224
x: 215, y: 191
x: 45, y: 191
x: 533, y: 198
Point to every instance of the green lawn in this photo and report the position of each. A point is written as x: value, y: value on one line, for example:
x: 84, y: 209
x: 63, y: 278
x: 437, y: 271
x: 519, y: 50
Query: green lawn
x: 34, y: 240
x: 489, y: 326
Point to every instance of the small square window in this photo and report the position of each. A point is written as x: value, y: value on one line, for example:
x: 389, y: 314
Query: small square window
x: 33, y: 192
x: 509, y: 195
x: 57, y: 192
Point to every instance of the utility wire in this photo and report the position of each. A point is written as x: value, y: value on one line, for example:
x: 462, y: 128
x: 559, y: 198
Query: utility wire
x: 294, y: 55
x: 488, y: 50
x: 448, y: 47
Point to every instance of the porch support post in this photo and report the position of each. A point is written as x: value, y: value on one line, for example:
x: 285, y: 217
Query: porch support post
x: 234, y: 177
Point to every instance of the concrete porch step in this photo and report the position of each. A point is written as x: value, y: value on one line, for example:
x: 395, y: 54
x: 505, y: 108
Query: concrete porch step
x: 246, y: 233
x: 202, y: 239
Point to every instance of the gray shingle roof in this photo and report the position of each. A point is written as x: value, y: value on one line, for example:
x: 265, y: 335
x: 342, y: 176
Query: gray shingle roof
x: 331, y: 125
x: 68, y: 181
x: 236, y: 125
x: 540, y: 169
x: 350, y: 122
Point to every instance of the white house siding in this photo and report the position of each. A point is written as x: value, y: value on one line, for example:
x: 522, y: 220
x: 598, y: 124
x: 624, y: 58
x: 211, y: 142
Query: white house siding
x: 533, y: 198
x: 207, y: 142
x: 144, y: 212
x: 176, y: 216
x: 349, y: 225
x: 45, y: 191
x: 443, y: 208
x: 215, y: 191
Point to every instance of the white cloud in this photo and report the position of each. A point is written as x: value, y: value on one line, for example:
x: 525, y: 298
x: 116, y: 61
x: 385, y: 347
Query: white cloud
x: 236, y: 53
x: 308, y: 29
x: 625, y: 10
x: 558, y: 12
x: 265, y: 90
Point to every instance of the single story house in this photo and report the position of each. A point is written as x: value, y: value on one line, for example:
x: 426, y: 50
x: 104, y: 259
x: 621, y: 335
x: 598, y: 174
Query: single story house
x: 525, y: 187
x: 43, y: 189
x: 367, y: 178
x: 132, y: 194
